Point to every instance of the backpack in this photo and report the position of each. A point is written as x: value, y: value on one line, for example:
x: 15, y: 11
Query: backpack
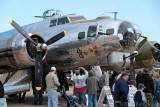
x: 138, y: 97
x: 157, y: 95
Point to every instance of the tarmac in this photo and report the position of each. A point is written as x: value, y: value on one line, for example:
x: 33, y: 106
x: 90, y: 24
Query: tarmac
x: 13, y: 102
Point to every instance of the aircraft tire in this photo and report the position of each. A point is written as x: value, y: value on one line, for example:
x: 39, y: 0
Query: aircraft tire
x: 1, y: 90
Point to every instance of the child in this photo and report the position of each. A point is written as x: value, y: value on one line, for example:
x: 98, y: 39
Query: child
x: 139, y: 97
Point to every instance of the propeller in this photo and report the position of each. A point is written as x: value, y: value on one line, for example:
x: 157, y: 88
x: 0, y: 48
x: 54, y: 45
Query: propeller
x: 21, y: 31
x: 38, y: 49
x: 25, y: 34
x: 56, y: 38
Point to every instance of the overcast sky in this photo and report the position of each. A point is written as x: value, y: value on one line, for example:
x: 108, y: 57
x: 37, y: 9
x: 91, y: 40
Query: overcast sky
x: 144, y: 13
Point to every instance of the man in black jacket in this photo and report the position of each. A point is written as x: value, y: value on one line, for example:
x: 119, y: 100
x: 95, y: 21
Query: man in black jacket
x: 149, y: 86
x: 121, y: 91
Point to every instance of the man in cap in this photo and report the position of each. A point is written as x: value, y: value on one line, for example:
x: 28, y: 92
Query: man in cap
x: 52, y: 85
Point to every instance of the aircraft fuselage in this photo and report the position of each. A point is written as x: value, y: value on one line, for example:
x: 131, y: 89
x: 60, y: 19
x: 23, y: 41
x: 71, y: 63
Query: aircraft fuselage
x: 69, y: 51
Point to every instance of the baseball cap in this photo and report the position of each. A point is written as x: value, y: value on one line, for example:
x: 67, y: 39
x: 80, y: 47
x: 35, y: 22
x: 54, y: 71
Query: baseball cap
x: 53, y: 68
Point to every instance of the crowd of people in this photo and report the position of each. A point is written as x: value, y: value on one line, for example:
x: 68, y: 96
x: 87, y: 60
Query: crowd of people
x: 148, y: 89
x: 88, y: 85
x: 150, y: 86
x: 85, y: 83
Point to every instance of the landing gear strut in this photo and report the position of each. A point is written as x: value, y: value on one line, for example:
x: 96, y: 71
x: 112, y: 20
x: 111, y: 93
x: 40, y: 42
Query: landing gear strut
x: 1, y: 90
x: 37, y: 94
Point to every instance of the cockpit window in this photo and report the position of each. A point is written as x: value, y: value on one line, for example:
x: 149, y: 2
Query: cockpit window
x: 63, y: 20
x: 92, y: 31
x: 53, y: 22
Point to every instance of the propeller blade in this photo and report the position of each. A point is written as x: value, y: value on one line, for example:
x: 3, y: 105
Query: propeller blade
x: 20, y: 30
x: 38, y: 70
x: 56, y: 38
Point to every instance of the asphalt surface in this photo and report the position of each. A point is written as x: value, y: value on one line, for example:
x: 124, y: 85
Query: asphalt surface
x: 13, y: 102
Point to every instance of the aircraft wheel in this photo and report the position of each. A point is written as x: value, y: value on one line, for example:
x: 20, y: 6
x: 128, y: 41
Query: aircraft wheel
x: 1, y: 90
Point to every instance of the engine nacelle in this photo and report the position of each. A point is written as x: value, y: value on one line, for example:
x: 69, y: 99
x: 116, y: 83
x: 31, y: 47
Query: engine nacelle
x: 149, y: 53
x: 15, y: 51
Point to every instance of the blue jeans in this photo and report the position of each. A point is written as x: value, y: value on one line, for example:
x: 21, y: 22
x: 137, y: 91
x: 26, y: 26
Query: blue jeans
x: 92, y: 100
x: 154, y: 102
x: 52, y: 98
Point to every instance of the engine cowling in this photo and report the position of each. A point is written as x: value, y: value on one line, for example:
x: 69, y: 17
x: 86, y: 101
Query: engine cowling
x: 149, y: 53
x: 15, y: 52
x: 25, y: 56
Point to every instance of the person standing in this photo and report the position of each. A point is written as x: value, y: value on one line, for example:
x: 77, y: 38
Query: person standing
x: 79, y: 77
x: 156, y: 97
x: 149, y: 86
x: 52, y: 85
x: 121, y: 91
x: 92, y: 88
x: 139, y: 97
x: 104, y: 81
x: 139, y: 78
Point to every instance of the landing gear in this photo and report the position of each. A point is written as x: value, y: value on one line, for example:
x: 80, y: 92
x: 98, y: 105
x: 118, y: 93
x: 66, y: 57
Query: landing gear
x: 38, y: 98
x: 1, y: 90
x: 21, y: 97
x: 37, y: 94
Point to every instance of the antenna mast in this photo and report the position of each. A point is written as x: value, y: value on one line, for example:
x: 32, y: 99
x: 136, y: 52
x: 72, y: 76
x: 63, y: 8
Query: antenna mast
x: 115, y: 15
